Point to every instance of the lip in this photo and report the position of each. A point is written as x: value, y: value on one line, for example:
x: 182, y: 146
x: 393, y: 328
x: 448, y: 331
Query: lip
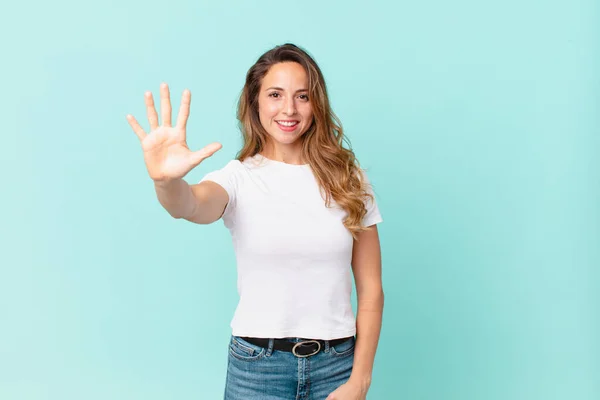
x: 286, y: 120
x: 288, y: 128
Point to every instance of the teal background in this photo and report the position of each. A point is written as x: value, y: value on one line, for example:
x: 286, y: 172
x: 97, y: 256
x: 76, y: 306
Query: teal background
x: 477, y: 121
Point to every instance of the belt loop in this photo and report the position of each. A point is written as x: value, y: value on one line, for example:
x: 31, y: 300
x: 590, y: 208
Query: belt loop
x: 270, y: 347
x: 326, y: 349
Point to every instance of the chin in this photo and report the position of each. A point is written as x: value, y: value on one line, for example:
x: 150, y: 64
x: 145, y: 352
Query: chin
x: 288, y: 140
x: 282, y: 138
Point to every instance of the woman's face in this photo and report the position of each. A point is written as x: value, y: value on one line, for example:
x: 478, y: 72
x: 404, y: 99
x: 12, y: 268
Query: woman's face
x: 283, y: 105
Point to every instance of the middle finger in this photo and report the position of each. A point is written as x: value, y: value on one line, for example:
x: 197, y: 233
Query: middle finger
x: 165, y: 105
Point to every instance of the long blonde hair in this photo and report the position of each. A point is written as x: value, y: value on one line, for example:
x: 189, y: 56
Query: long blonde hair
x: 336, y: 168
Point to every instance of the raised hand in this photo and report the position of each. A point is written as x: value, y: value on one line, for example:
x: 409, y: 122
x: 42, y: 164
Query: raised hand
x: 166, y: 153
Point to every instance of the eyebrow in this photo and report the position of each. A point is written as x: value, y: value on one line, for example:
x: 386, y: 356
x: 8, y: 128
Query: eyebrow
x: 278, y: 88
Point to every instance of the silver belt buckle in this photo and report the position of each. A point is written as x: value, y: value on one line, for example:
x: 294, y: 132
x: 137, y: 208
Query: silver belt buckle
x: 301, y: 343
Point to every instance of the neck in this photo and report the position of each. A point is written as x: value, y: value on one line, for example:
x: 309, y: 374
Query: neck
x: 289, y: 154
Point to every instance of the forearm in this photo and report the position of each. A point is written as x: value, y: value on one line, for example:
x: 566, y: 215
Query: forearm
x: 368, y: 328
x: 176, y: 197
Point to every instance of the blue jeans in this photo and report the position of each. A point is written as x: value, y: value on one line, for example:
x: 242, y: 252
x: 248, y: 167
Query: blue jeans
x: 257, y: 373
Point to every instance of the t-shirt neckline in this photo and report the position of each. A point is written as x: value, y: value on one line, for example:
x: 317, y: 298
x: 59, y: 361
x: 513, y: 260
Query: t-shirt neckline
x: 280, y: 163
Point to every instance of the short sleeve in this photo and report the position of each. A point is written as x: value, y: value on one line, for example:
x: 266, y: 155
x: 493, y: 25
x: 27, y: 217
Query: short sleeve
x: 373, y: 215
x: 227, y: 178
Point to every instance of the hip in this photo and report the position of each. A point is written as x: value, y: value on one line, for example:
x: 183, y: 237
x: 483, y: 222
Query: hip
x: 264, y: 373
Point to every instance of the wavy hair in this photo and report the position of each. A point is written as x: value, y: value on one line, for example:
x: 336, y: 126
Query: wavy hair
x: 335, y: 167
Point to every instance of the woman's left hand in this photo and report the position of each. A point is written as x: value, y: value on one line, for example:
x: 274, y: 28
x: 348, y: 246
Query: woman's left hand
x: 349, y: 391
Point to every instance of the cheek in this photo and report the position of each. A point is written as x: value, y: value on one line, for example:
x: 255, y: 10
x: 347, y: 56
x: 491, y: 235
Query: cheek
x: 269, y: 109
x: 265, y: 113
x: 307, y: 112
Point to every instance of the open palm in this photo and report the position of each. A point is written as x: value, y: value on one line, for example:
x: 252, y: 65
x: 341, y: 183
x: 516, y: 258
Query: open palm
x: 166, y: 153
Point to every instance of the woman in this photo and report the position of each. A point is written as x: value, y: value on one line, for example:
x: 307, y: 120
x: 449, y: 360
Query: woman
x: 301, y: 212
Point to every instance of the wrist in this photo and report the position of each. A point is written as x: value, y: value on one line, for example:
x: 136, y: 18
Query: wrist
x: 363, y: 380
x: 165, y: 183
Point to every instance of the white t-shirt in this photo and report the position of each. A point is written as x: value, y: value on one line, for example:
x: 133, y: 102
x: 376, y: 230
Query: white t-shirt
x: 293, y: 253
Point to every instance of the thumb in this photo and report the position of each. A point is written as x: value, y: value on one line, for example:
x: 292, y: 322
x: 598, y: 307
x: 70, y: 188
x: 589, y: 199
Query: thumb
x: 198, y: 156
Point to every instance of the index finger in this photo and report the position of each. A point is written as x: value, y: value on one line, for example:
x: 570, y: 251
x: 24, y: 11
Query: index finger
x: 184, y: 109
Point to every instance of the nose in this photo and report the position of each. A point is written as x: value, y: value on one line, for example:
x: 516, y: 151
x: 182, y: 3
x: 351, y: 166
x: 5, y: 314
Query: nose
x: 290, y: 106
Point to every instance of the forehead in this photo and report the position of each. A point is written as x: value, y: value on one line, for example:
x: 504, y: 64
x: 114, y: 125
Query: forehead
x: 286, y: 75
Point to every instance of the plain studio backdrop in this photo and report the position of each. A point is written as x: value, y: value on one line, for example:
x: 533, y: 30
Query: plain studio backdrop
x: 478, y: 123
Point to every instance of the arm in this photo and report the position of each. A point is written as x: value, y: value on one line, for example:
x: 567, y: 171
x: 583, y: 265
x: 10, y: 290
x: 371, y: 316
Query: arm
x: 202, y: 203
x: 366, y: 265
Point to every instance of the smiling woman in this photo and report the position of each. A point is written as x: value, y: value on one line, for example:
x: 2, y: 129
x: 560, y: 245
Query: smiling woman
x: 303, y: 214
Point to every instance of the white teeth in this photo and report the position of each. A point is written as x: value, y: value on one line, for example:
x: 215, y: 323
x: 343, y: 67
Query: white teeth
x: 287, y: 123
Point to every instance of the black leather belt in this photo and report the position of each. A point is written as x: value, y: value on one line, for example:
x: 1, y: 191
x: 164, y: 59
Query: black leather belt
x: 303, y: 348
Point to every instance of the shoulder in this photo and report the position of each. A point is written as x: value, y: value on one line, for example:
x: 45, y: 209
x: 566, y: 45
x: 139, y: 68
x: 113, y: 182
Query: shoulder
x: 363, y: 176
x: 224, y: 175
x: 245, y: 164
x: 365, y: 180
x: 231, y: 167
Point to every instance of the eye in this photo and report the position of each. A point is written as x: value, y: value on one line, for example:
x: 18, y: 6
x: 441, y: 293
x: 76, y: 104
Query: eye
x: 273, y: 94
x: 305, y: 96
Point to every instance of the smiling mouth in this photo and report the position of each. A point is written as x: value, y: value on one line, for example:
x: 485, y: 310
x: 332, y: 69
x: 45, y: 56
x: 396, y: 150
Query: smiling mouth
x: 287, y: 124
